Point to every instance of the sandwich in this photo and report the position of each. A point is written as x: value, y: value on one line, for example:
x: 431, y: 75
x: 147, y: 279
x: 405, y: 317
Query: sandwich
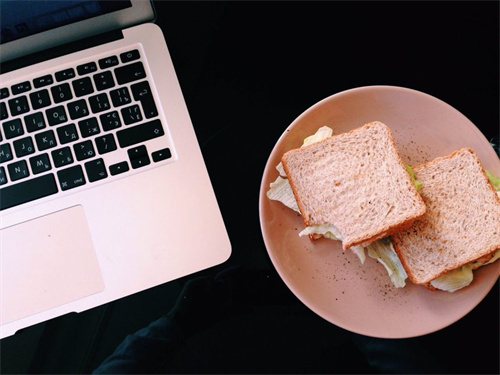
x: 376, y: 207
x: 461, y: 228
x: 351, y: 187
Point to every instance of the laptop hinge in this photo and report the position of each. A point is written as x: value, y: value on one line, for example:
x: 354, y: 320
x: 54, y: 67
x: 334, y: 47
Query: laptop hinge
x: 59, y: 51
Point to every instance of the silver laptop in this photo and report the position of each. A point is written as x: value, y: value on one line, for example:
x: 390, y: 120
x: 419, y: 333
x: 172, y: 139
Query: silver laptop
x: 103, y: 188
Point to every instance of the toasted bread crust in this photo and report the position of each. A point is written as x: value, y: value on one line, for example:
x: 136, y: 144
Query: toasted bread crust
x: 382, y: 228
x: 430, y: 236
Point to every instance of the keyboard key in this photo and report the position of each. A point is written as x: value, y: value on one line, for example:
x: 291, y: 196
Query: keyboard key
x: 108, y: 62
x: 89, y: 127
x: 118, y: 168
x: 86, y: 68
x: 40, y: 163
x: 130, y: 56
x: 62, y: 157
x: 4, y: 93
x: 18, y: 105
x: 96, y: 170
x: 40, y: 99
x: 120, y: 97
x: 43, y: 81
x: 70, y: 178
x: 82, y: 87
x: 129, y: 73
x: 78, y: 109
x: 45, y: 140
x: 138, y: 157
x: 13, y: 128
x: 63, y: 75
x: 67, y: 133
x: 23, y: 147
x: 104, y: 81
x: 110, y: 121
x: 3, y: 176
x: 142, y: 92
x: 61, y: 93
x: 105, y: 144
x: 84, y: 150
x: 99, y: 103
x: 5, y: 153
x: 27, y: 191
x: 56, y: 115
x: 18, y: 170
x: 21, y: 87
x: 131, y: 114
x: 34, y: 122
x: 161, y: 155
x: 140, y: 133
x: 3, y: 111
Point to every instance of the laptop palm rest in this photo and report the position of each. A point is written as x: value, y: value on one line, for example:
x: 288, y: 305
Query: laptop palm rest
x: 39, y: 272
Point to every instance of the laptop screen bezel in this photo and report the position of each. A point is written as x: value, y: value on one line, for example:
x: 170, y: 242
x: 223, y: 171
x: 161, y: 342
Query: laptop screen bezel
x: 141, y: 11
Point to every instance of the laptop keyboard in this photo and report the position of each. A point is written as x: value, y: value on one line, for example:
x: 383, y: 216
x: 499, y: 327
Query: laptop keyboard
x: 77, y: 127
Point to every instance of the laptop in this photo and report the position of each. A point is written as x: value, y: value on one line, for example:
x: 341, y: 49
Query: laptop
x: 103, y: 188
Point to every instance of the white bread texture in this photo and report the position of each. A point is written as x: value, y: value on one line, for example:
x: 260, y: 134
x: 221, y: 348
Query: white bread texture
x: 462, y: 222
x: 355, y: 181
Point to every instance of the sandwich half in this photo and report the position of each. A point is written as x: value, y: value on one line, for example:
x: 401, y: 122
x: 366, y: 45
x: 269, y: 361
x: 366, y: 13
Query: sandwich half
x: 461, y: 228
x: 355, y: 183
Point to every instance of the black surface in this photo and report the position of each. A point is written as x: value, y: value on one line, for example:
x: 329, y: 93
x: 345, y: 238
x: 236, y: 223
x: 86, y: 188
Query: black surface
x: 247, y: 70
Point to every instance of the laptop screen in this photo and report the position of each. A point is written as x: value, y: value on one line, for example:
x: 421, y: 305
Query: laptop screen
x: 31, y: 26
x: 22, y: 18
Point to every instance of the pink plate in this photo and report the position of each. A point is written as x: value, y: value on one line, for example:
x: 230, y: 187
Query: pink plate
x: 333, y: 283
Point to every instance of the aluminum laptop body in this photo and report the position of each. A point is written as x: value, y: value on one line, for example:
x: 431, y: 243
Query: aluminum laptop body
x: 103, y: 187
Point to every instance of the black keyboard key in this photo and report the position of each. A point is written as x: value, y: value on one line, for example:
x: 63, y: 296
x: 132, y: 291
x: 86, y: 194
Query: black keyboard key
x: 108, y: 62
x: 3, y: 111
x: 70, y: 178
x: 63, y: 75
x: 21, y: 87
x: 34, y: 122
x: 99, y: 103
x: 142, y: 92
x: 18, y: 170
x: 45, y: 140
x: 140, y: 133
x: 18, y: 105
x: 131, y: 114
x: 120, y: 97
x: 110, y: 121
x: 40, y: 99
x: 62, y: 157
x: 105, y: 144
x: 56, y: 115
x: 104, y: 81
x: 27, y: 191
x: 67, y: 133
x: 161, y: 155
x: 13, y: 128
x: 130, y: 73
x: 3, y: 176
x: 5, y: 153
x: 89, y: 127
x: 118, y: 168
x: 78, y: 109
x: 138, y: 157
x: 4, y: 93
x: 130, y: 56
x: 82, y: 87
x: 40, y: 163
x: 84, y: 150
x: 61, y: 93
x: 23, y: 147
x: 86, y: 68
x: 43, y: 81
x: 96, y: 170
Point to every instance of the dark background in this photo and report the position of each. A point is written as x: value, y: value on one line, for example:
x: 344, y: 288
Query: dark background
x: 247, y: 70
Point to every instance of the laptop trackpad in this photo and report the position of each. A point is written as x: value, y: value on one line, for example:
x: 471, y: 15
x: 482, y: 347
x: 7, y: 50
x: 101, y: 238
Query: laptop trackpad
x: 47, y: 262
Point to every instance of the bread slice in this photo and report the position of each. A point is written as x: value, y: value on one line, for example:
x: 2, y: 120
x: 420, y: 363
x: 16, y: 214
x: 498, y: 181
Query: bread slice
x: 462, y: 223
x: 356, y: 182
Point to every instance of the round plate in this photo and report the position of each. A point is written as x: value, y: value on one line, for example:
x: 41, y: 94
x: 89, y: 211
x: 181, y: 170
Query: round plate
x: 333, y: 283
